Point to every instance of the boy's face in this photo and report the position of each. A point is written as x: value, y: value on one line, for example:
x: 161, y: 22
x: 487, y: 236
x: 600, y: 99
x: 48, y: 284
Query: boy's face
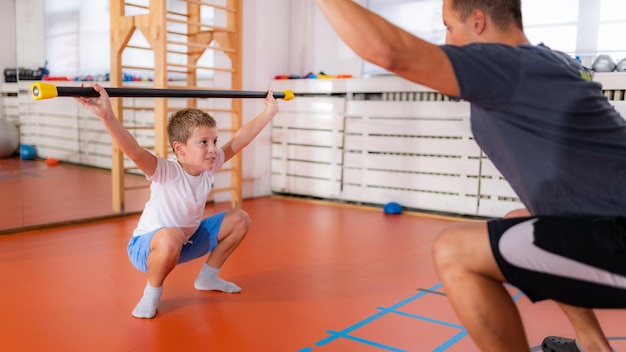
x: 458, y: 32
x: 200, y: 151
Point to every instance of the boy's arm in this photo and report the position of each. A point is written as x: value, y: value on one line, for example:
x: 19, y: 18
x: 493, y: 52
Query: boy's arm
x: 249, y: 131
x: 101, y: 107
x: 384, y: 44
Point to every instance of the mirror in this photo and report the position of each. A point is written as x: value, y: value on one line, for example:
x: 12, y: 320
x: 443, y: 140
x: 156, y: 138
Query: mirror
x: 11, y: 204
x: 49, y: 182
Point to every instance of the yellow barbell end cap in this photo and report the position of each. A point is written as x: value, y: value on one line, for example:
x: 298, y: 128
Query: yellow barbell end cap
x: 42, y: 90
x: 288, y: 94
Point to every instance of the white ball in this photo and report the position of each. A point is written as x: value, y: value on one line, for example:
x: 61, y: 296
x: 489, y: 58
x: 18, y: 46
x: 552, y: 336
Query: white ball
x: 9, y: 138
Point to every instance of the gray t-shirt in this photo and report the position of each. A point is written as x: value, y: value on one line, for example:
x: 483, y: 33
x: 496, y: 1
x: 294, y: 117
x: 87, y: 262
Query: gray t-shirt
x: 546, y: 126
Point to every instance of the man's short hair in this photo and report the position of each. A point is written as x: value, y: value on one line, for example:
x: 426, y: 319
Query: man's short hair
x: 503, y: 13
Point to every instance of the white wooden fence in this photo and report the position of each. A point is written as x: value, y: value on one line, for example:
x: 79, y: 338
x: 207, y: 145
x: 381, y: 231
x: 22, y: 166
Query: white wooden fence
x: 383, y: 139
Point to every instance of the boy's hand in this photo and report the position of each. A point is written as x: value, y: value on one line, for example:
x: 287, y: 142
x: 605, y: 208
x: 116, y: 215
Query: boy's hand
x: 99, y: 106
x: 271, y: 105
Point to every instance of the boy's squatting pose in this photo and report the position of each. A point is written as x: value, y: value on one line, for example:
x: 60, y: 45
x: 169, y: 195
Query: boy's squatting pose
x: 171, y: 230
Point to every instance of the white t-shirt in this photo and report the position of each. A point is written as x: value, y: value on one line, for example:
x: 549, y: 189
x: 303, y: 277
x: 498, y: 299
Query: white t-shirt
x: 177, y: 199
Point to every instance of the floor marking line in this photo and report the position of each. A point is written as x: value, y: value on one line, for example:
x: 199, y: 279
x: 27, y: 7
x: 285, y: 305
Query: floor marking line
x: 337, y: 334
x: 344, y: 332
x: 373, y: 343
x: 454, y: 339
x: 430, y: 320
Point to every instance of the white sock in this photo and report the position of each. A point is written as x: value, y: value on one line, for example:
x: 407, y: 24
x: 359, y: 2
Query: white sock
x: 146, y: 308
x: 208, y: 280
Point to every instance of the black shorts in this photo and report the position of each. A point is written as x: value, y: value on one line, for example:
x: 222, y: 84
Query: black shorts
x: 580, y: 261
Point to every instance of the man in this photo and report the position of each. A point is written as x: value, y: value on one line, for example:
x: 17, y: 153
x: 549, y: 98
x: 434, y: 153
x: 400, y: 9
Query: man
x: 557, y: 141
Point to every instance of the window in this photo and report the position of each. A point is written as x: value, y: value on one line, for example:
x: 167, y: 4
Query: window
x: 612, y: 29
x: 583, y: 28
x: 553, y: 23
x: 420, y: 17
x: 77, y: 39
x: 61, y: 44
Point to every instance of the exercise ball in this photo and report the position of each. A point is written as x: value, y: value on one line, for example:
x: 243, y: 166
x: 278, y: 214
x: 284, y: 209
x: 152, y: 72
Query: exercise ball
x: 28, y: 152
x: 392, y: 208
x: 9, y: 138
x: 603, y: 63
x: 52, y: 161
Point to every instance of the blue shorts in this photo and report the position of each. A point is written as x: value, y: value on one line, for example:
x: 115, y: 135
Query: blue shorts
x: 203, y: 241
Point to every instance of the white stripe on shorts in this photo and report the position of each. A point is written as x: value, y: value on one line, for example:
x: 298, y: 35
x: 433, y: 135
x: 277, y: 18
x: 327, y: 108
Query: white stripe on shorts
x: 517, y: 247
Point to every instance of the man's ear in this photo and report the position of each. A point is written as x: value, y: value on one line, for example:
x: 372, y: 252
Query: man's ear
x: 479, y: 20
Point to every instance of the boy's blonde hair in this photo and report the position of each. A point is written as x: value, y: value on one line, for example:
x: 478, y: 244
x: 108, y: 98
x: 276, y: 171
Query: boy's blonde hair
x: 182, y: 123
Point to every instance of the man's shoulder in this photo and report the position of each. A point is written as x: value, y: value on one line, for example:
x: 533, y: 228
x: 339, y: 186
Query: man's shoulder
x: 493, y: 53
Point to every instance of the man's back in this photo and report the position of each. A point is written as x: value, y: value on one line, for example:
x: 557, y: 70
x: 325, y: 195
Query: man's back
x: 546, y: 127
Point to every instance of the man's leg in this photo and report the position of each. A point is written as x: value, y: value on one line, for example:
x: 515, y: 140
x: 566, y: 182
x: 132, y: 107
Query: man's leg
x: 589, y: 333
x: 474, y: 285
x: 233, y: 230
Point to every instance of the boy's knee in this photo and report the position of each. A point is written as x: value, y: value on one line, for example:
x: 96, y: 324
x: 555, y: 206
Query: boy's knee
x: 169, y: 240
x: 240, y: 220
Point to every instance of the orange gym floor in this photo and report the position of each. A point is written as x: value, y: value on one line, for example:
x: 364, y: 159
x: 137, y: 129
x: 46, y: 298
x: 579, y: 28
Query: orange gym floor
x: 316, y: 276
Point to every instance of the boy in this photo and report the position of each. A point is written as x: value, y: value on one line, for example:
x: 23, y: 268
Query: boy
x: 557, y: 141
x: 171, y: 229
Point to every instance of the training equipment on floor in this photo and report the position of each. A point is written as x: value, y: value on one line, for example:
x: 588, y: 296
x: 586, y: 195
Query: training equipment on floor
x: 52, y: 162
x: 392, y: 208
x: 42, y: 90
x: 28, y: 152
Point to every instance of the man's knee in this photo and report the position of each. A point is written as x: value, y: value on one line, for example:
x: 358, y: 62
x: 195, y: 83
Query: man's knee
x: 446, y: 247
x: 461, y: 244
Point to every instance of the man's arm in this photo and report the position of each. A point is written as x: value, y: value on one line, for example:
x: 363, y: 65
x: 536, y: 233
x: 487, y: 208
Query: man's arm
x: 384, y: 44
x: 249, y: 131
